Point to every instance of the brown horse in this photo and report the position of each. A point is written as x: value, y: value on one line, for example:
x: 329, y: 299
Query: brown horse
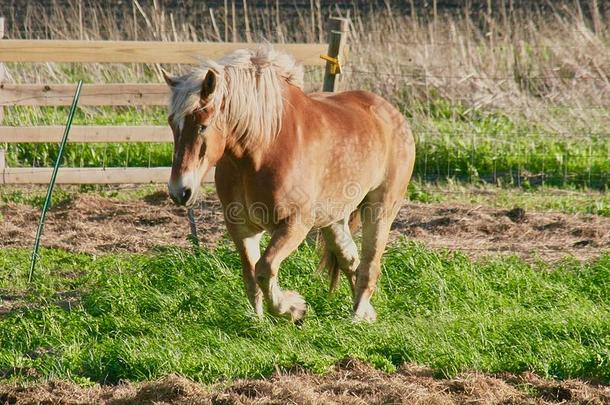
x: 289, y: 162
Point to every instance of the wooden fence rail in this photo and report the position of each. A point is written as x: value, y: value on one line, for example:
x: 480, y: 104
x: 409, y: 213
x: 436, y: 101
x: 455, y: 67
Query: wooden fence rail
x: 87, y: 134
x: 111, y: 94
x: 26, y: 50
x: 120, y: 94
x: 89, y: 175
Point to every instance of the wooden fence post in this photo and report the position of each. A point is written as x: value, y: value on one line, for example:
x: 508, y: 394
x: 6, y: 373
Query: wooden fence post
x: 336, y: 47
x: 2, y: 68
x: 2, y: 75
x: 2, y: 166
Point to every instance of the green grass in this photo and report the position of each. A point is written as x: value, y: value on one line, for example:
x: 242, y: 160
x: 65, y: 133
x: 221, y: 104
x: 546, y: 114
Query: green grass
x: 453, y: 143
x: 179, y: 311
x: 568, y: 200
x: 89, y: 155
x: 466, y: 144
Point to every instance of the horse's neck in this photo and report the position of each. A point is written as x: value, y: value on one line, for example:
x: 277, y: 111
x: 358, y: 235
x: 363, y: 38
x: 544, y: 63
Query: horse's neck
x: 242, y: 157
x: 283, y: 141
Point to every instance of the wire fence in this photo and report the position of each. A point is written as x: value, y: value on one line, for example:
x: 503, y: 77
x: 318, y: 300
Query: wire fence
x: 424, y: 75
x: 520, y: 163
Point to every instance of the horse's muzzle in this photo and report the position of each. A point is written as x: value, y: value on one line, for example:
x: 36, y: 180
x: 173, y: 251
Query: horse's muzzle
x: 182, y: 196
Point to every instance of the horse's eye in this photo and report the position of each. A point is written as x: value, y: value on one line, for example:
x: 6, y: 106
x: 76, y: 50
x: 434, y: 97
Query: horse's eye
x: 201, y: 129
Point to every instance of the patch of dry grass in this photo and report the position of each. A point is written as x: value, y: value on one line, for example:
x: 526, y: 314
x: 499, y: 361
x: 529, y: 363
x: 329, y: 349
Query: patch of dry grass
x: 350, y: 382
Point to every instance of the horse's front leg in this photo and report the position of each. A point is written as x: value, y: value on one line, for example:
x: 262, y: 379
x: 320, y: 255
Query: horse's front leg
x: 247, y: 241
x: 284, y: 240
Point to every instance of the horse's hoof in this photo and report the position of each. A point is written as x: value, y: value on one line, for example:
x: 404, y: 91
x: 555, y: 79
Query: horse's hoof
x: 293, y: 306
x: 365, y: 313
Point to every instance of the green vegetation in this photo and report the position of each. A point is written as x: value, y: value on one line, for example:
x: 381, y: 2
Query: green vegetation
x: 89, y: 155
x: 475, y: 146
x: 106, y: 318
x: 566, y: 200
x: 468, y: 145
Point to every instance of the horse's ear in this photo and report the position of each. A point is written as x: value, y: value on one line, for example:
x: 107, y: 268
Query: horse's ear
x: 209, y: 84
x: 169, y: 79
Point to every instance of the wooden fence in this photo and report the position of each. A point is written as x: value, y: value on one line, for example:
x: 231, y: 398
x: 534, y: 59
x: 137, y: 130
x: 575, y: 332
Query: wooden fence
x: 119, y: 94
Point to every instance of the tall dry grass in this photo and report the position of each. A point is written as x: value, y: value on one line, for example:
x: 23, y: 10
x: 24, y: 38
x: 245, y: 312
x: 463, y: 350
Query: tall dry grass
x: 511, y: 59
x: 522, y: 61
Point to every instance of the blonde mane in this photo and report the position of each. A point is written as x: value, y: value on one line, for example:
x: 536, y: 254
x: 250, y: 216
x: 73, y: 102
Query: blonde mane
x: 249, y: 90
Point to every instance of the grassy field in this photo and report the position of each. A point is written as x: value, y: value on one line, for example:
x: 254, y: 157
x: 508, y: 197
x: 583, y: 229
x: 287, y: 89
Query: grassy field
x: 495, y: 97
x: 108, y: 318
x: 564, y: 199
x: 484, y: 146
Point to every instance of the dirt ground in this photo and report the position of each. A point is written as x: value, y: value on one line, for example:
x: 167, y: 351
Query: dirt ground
x: 95, y: 224
x: 349, y: 383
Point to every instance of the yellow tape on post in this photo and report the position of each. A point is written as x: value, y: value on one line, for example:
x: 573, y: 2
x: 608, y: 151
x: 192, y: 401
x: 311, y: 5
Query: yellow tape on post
x: 335, y: 65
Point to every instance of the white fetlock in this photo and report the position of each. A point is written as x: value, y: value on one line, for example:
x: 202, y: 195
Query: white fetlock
x: 292, y: 306
x: 365, y: 313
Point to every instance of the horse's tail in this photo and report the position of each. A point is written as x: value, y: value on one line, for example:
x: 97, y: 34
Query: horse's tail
x: 329, y: 263
x: 355, y: 221
x: 329, y: 258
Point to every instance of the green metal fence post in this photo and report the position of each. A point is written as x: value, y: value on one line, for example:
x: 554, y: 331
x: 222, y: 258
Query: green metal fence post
x: 47, y: 200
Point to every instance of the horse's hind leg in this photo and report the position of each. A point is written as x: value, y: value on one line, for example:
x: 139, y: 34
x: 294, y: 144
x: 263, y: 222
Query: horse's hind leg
x: 377, y: 211
x: 340, y: 243
x: 284, y: 240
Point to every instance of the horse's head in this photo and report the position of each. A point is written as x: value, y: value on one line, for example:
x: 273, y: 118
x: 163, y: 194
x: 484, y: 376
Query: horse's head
x: 198, y: 142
